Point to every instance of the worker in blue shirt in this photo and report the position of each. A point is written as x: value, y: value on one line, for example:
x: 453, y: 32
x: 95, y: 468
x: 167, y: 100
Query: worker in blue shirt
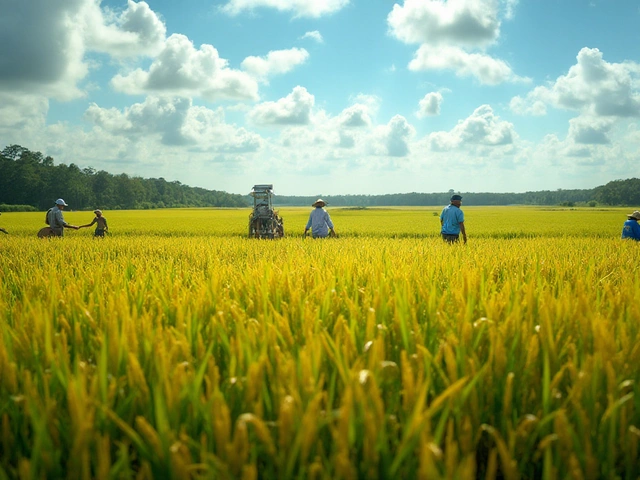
x: 631, y: 229
x: 319, y: 221
x: 452, y: 221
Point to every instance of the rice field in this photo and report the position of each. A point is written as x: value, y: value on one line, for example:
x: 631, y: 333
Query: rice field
x: 177, y: 348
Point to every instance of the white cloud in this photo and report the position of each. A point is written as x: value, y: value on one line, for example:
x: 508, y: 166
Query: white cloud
x: 135, y: 31
x: 482, y: 127
x: 357, y: 115
x: 430, y: 105
x: 471, y: 23
x: 486, y: 69
x: 276, y: 62
x: 50, y: 59
x: 590, y: 131
x: 592, y: 86
x: 528, y: 106
x: 393, y: 139
x: 299, y: 8
x: 176, y: 122
x: 294, y: 109
x: 314, y: 35
x: 453, y: 35
x: 42, y: 48
x: 24, y: 112
x: 181, y: 70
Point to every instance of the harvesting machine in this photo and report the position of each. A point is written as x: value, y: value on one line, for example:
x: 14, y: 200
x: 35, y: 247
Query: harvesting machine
x: 264, y: 221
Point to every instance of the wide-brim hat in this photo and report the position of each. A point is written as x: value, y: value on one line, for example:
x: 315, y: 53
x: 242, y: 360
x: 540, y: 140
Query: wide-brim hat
x: 97, y: 211
x: 61, y: 202
x: 635, y: 215
x: 318, y: 202
x: 456, y: 197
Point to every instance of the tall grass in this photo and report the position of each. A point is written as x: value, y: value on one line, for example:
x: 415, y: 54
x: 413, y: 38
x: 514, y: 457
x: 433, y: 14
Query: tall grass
x: 208, y: 355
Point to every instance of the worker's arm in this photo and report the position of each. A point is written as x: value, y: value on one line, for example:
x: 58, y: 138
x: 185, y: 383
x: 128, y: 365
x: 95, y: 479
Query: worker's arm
x: 88, y: 224
x: 463, y: 232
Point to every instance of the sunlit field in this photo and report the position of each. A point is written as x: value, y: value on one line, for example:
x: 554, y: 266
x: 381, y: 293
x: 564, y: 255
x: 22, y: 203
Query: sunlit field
x: 177, y: 348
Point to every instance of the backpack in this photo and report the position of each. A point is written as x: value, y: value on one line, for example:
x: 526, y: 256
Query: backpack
x: 46, y: 217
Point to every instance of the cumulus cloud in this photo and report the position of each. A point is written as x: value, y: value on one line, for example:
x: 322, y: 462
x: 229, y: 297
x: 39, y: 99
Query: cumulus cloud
x: 294, y: 109
x: 486, y: 69
x: 177, y: 123
x: 45, y: 43
x: 314, y: 35
x: 276, y: 62
x: 355, y: 116
x: 592, y: 86
x: 528, y: 106
x: 453, y: 35
x: 181, y: 70
x: 482, y: 127
x: 471, y: 23
x: 22, y: 112
x: 590, y: 131
x: 393, y: 138
x: 135, y: 31
x: 430, y: 105
x: 42, y: 48
x: 299, y: 8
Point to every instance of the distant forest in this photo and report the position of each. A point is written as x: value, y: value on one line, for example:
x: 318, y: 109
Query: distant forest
x: 31, y: 181
x: 618, y: 192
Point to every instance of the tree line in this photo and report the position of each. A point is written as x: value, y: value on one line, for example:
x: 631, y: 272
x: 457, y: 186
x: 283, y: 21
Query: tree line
x: 615, y: 193
x: 31, y: 181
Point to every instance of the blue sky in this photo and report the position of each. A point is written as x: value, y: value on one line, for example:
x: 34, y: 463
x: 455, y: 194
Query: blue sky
x: 328, y: 96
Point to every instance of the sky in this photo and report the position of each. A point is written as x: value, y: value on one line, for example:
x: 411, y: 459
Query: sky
x: 328, y: 96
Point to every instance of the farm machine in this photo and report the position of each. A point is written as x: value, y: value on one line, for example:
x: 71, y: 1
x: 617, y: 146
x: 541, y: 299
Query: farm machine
x: 264, y: 221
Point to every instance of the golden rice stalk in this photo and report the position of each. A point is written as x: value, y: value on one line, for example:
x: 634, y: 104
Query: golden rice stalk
x: 509, y: 464
x: 261, y: 431
x: 150, y: 435
x: 286, y: 422
x: 136, y: 379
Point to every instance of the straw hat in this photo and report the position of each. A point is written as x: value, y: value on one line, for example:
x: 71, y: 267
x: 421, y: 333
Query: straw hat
x: 97, y: 211
x: 319, y: 203
x: 635, y: 215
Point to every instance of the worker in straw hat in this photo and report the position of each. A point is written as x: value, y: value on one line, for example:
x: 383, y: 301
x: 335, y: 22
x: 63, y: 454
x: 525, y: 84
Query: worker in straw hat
x: 319, y: 221
x: 100, y: 223
x: 631, y: 229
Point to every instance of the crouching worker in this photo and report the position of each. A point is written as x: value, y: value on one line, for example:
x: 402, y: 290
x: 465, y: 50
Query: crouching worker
x: 631, y: 229
x: 55, y: 219
x: 100, y: 222
x: 319, y: 221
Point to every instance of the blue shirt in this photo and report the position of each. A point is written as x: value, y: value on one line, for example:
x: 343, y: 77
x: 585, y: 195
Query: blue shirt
x: 451, y: 218
x: 319, y: 222
x: 631, y: 230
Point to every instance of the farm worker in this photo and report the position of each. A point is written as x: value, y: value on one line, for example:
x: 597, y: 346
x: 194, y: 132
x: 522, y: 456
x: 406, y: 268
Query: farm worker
x: 2, y: 229
x: 631, y: 229
x: 452, y: 221
x: 319, y: 221
x: 55, y: 219
x: 101, y: 224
